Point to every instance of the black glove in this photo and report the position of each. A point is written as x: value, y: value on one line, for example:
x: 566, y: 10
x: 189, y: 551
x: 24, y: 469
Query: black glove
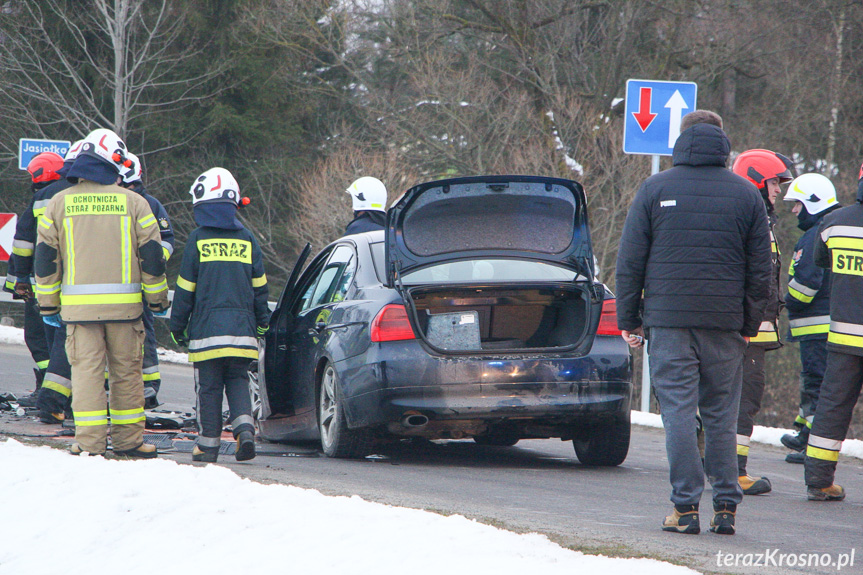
x: 24, y: 290
x: 179, y: 338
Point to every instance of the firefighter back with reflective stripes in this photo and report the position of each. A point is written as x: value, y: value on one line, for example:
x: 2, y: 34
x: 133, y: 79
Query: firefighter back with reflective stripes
x: 98, y: 248
x: 839, y: 248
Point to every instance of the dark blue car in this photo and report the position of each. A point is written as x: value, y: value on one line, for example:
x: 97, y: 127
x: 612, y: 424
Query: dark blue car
x: 474, y: 315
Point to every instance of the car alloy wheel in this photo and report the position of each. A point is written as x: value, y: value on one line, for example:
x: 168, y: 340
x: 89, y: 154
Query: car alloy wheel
x: 328, y: 411
x: 337, y: 440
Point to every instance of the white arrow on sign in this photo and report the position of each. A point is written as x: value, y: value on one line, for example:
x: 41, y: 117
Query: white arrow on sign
x: 7, y: 232
x: 676, y: 104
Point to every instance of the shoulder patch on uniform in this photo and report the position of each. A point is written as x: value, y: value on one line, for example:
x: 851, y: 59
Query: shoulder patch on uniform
x: 667, y: 203
x: 163, y: 223
x: 797, y: 255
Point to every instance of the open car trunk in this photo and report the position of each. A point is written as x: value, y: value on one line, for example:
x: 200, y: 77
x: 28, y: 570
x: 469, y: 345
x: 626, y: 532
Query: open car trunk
x: 527, y: 318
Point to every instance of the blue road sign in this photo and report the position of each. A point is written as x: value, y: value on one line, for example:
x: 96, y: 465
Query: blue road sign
x: 652, y: 115
x: 28, y: 147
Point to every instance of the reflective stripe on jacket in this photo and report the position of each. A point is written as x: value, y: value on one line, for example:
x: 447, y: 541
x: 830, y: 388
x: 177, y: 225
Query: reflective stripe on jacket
x: 221, y: 294
x: 808, y: 296
x: 98, y: 248
x: 839, y: 247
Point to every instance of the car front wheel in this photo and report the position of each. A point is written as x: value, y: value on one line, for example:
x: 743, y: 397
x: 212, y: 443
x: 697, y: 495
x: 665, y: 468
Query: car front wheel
x: 604, y: 444
x: 336, y: 439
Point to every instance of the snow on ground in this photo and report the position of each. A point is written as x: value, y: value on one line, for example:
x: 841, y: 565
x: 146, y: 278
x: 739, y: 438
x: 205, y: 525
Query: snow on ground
x: 89, y: 515
x: 761, y: 434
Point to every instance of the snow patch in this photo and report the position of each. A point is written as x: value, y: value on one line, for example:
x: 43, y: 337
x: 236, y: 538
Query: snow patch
x: 760, y: 434
x: 157, y: 515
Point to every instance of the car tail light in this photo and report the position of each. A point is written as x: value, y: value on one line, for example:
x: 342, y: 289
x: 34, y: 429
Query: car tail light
x: 608, y: 319
x: 392, y: 324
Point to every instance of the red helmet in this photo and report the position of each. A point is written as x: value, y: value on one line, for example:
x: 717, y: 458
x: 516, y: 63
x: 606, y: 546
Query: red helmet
x: 43, y: 167
x: 760, y: 165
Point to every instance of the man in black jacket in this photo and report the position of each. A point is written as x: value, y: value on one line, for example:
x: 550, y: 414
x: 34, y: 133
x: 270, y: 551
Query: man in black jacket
x: 695, y: 252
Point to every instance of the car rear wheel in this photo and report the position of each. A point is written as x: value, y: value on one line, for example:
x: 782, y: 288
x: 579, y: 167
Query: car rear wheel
x: 604, y: 444
x: 336, y: 439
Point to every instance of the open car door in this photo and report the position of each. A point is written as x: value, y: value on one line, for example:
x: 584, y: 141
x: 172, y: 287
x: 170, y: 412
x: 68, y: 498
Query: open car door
x: 273, y: 362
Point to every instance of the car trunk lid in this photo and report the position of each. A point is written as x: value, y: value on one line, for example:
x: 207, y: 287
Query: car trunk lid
x: 525, y: 217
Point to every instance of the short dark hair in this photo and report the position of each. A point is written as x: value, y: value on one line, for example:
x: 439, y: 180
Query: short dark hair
x: 700, y: 117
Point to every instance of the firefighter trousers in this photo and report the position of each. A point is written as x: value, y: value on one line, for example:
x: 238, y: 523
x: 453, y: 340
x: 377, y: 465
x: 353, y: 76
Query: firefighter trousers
x: 813, y: 359
x: 152, y: 377
x: 839, y: 393
x: 88, y: 346
x: 34, y: 335
x: 213, y: 377
x: 55, y: 395
x: 750, y: 401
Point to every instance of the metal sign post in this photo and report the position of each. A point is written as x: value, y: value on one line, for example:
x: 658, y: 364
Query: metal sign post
x: 651, y: 124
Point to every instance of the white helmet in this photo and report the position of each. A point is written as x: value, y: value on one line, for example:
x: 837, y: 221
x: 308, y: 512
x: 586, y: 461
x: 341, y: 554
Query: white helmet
x: 815, y: 191
x: 215, y: 185
x: 73, y: 151
x: 107, y: 146
x: 368, y: 193
x: 133, y: 173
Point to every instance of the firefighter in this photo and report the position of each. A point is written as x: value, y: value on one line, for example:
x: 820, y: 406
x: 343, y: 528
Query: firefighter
x: 838, y: 248
x: 98, y: 247
x: 808, y: 300
x: 133, y: 180
x: 369, y: 199
x: 44, y: 169
x: 55, y: 396
x: 220, y: 308
x: 767, y: 170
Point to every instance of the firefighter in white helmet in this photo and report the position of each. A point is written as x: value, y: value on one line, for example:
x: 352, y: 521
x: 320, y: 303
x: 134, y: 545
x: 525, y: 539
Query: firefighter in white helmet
x: 220, y: 309
x: 808, y: 301
x: 369, y: 198
x: 98, y: 248
x: 133, y: 179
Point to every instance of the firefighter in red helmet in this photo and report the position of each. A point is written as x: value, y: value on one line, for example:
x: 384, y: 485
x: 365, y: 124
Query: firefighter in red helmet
x: 44, y: 168
x: 767, y: 170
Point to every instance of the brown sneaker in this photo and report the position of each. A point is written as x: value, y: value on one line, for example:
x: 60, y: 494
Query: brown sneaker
x: 683, y: 520
x: 143, y: 451
x: 754, y: 485
x: 832, y: 493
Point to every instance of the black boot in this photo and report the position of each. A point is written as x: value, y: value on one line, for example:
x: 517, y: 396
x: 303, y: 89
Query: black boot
x: 723, y: 518
x: 796, y: 442
x: 29, y: 400
x: 799, y: 458
x: 245, y: 446
x: 205, y: 454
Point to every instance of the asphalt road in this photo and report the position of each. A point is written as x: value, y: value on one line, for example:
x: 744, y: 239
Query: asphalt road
x: 539, y: 485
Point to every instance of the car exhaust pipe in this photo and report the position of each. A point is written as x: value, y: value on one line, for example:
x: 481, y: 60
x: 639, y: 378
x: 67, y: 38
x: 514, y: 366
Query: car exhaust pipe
x: 414, y: 419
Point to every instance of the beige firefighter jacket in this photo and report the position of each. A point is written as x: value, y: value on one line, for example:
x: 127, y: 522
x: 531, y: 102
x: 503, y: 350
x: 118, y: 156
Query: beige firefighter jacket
x: 98, y: 249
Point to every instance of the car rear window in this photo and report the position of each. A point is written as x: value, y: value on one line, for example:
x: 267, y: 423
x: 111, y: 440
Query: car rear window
x: 379, y: 259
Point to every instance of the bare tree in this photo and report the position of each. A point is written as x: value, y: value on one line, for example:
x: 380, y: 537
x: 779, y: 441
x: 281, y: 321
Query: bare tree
x: 67, y: 67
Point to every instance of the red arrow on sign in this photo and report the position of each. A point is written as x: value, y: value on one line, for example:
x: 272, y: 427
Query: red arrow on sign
x: 643, y: 116
x: 7, y: 235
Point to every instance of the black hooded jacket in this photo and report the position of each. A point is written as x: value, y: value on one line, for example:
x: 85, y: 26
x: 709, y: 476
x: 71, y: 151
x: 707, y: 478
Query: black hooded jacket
x: 696, y: 244
x: 366, y: 221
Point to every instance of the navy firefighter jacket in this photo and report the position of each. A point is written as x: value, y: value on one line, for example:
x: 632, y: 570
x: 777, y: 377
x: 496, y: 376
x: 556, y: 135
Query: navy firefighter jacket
x: 808, y: 297
x: 221, y: 294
